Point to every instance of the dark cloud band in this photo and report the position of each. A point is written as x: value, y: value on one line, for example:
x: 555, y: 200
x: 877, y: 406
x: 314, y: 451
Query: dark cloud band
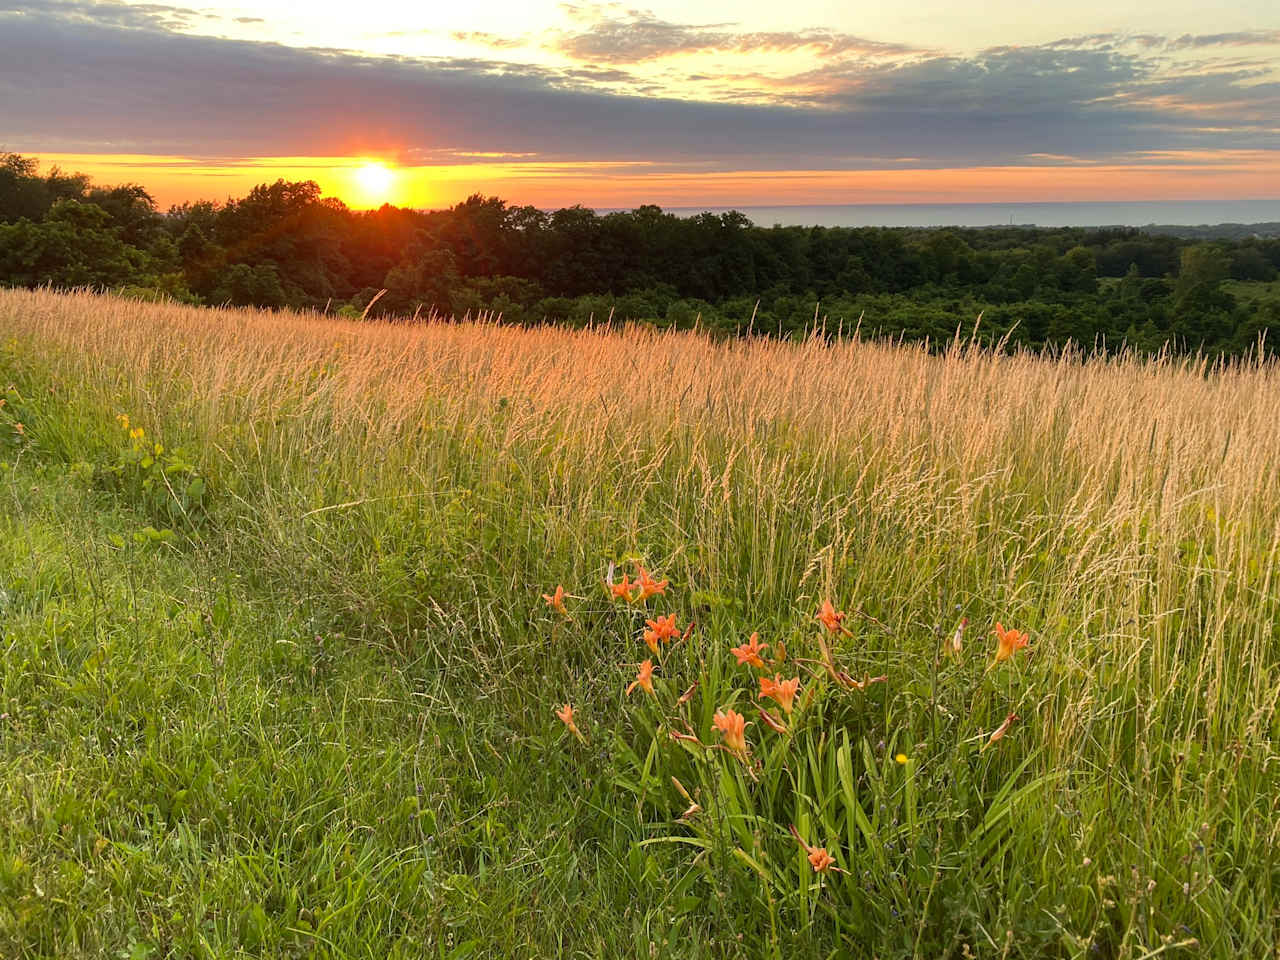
x: 76, y: 78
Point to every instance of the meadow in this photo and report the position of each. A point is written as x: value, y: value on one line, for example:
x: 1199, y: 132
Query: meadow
x: 283, y: 663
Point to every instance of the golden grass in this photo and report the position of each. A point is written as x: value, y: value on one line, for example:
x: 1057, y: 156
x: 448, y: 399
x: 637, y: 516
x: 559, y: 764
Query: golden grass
x: 1139, y: 478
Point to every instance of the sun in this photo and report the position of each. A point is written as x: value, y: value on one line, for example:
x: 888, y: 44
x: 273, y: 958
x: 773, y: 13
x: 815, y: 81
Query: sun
x: 375, y: 181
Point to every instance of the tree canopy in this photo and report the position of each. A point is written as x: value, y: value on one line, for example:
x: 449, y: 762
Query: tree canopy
x: 284, y: 245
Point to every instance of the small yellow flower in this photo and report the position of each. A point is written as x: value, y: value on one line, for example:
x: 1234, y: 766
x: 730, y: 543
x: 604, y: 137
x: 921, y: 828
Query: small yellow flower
x: 136, y: 433
x: 902, y: 758
x: 123, y: 420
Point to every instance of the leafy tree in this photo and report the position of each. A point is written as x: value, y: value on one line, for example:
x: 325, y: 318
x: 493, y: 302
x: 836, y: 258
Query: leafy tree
x: 427, y: 279
x: 243, y: 286
x: 285, y: 245
x: 74, y: 246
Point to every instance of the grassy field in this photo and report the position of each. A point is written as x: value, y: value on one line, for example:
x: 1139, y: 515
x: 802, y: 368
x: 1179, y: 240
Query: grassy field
x: 277, y: 678
x: 1255, y: 293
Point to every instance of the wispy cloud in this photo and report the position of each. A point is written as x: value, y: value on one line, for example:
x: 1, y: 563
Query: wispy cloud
x: 608, y: 35
x: 104, y: 12
x: 1248, y: 38
x: 495, y: 41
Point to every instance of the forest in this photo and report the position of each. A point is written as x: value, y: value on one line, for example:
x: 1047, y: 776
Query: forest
x: 284, y: 245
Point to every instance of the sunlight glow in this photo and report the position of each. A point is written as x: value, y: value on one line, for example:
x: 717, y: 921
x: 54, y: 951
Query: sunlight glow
x: 375, y: 183
x: 548, y: 184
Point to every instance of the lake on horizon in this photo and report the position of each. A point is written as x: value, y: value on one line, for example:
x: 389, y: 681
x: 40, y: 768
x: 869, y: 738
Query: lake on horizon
x: 1092, y: 214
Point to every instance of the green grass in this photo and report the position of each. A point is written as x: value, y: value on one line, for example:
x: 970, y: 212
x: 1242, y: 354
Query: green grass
x: 286, y: 688
x: 191, y: 767
x: 1254, y: 292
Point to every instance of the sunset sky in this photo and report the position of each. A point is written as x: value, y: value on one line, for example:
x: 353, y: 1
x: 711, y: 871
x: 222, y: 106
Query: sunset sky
x: 681, y: 104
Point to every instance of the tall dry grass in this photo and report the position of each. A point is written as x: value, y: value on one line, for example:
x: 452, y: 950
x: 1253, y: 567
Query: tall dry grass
x: 1124, y: 510
x: 1151, y: 487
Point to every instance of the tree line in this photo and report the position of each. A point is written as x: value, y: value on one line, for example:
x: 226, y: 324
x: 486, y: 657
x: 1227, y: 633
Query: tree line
x: 284, y: 245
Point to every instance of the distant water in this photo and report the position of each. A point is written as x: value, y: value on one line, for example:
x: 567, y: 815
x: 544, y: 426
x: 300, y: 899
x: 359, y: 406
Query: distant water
x: 1136, y: 214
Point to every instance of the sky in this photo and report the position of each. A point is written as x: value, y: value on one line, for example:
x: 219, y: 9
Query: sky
x: 682, y: 104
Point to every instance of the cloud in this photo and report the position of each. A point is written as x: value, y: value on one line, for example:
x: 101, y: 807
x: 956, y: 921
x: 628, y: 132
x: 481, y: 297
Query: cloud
x: 1152, y: 41
x: 636, y: 36
x: 77, y: 82
x: 493, y: 40
x: 1248, y: 38
x: 151, y: 16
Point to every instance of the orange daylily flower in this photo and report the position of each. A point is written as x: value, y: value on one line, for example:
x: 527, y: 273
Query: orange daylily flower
x: 556, y: 601
x: 819, y: 859
x: 662, y: 630
x: 565, y: 713
x: 644, y: 679
x: 749, y: 652
x: 620, y: 590
x: 831, y: 618
x: 1001, y: 730
x: 1010, y: 642
x: 648, y: 586
x: 770, y: 720
x: 732, y: 726
x: 783, y: 691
